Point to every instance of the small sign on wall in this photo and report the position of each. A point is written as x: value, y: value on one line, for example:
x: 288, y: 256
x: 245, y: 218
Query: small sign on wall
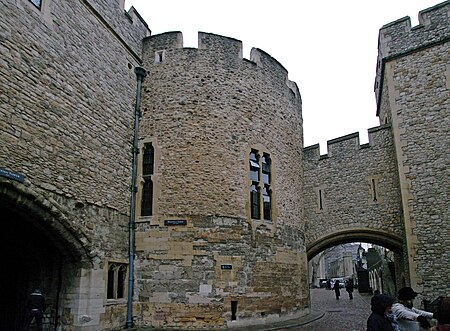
x: 175, y: 222
x: 12, y: 175
x: 226, y: 267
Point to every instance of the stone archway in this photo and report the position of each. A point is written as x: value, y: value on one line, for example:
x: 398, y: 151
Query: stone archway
x: 382, y: 238
x: 391, y: 241
x: 38, y: 249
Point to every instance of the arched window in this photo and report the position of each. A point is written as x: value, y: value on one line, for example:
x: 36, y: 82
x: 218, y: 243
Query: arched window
x: 117, y: 274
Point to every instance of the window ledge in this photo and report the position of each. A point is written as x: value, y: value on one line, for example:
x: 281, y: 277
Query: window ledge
x: 110, y: 302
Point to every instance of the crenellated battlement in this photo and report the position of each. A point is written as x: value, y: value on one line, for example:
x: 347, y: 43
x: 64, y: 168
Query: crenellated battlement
x: 220, y: 44
x: 399, y: 38
x: 220, y: 47
x: 348, y: 144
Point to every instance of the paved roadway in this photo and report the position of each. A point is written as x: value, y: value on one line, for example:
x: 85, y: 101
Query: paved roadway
x: 340, y: 315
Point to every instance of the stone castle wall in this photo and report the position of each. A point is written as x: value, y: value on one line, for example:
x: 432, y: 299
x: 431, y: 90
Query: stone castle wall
x: 203, y: 110
x: 68, y: 102
x: 399, y: 38
x: 414, y: 98
x: 341, y: 182
x: 66, y: 119
x: 66, y: 113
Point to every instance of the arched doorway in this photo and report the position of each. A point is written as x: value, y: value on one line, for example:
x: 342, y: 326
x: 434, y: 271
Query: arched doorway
x: 36, y: 249
x: 30, y: 261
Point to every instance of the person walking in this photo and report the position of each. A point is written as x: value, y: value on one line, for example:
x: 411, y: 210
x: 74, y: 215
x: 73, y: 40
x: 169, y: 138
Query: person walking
x: 336, y: 289
x: 382, y: 318
x: 35, y: 309
x: 349, y: 288
x: 410, y: 318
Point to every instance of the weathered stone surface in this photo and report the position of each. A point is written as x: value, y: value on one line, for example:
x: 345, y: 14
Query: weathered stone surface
x: 414, y: 98
x: 67, y: 93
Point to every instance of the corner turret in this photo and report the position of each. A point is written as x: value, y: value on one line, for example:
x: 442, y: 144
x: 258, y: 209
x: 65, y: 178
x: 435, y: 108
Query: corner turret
x: 398, y: 38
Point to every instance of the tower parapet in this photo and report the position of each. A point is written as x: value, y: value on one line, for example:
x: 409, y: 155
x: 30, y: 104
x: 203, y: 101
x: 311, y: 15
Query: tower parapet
x: 220, y: 44
x: 163, y: 41
x: 271, y: 65
x: 224, y: 50
x: 399, y: 38
x: 349, y: 144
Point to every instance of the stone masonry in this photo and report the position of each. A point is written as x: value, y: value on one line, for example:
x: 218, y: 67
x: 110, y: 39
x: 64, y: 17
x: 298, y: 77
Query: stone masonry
x: 412, y: 86
x: 66, y: 111
x: 68, y: 93
x: 204, y: 109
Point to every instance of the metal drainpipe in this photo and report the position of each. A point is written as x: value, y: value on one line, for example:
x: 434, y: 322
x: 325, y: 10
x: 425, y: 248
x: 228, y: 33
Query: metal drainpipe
x: 140, y: 75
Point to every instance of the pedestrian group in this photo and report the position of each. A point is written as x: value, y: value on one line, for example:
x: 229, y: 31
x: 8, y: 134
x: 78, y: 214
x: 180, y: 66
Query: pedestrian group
x: 391, y: 315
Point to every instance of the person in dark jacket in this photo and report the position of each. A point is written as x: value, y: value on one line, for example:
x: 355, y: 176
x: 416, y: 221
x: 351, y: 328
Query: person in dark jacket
x: 35, y: 309
x: 349, y: 288
x: 379, y: 320
x: 336, y: 289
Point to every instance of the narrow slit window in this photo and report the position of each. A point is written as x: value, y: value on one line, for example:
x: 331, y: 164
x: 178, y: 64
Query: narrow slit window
x: 320, y: 200
x: 374, y: 189
x: 147, y: 198
x: 233, y: 310
x: 159, y: 56
x: 148, y: 160
x: 148, y: 164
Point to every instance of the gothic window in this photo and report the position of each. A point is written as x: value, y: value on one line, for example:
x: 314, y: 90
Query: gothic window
x: 117, y: 273
x: 37, y: 3
x: 147, y: 172
x: 260, y: 188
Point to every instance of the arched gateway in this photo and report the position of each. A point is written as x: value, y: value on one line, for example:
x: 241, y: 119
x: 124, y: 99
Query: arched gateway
x: 385, y: 239
x: 40, y: 250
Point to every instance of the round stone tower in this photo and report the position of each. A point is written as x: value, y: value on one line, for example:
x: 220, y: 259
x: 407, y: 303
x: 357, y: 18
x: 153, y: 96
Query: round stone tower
x: 219, y: 225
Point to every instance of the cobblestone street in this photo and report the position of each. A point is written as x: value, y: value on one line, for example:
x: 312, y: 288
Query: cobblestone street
x: 340, y: 315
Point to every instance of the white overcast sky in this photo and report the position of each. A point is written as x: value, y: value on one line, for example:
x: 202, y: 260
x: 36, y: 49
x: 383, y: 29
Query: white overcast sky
x: 329, y: 48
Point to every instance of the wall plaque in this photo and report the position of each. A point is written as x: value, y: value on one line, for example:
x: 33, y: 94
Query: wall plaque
x: 12, y: 175
x: 175, y: 222
x: 226, y: 267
